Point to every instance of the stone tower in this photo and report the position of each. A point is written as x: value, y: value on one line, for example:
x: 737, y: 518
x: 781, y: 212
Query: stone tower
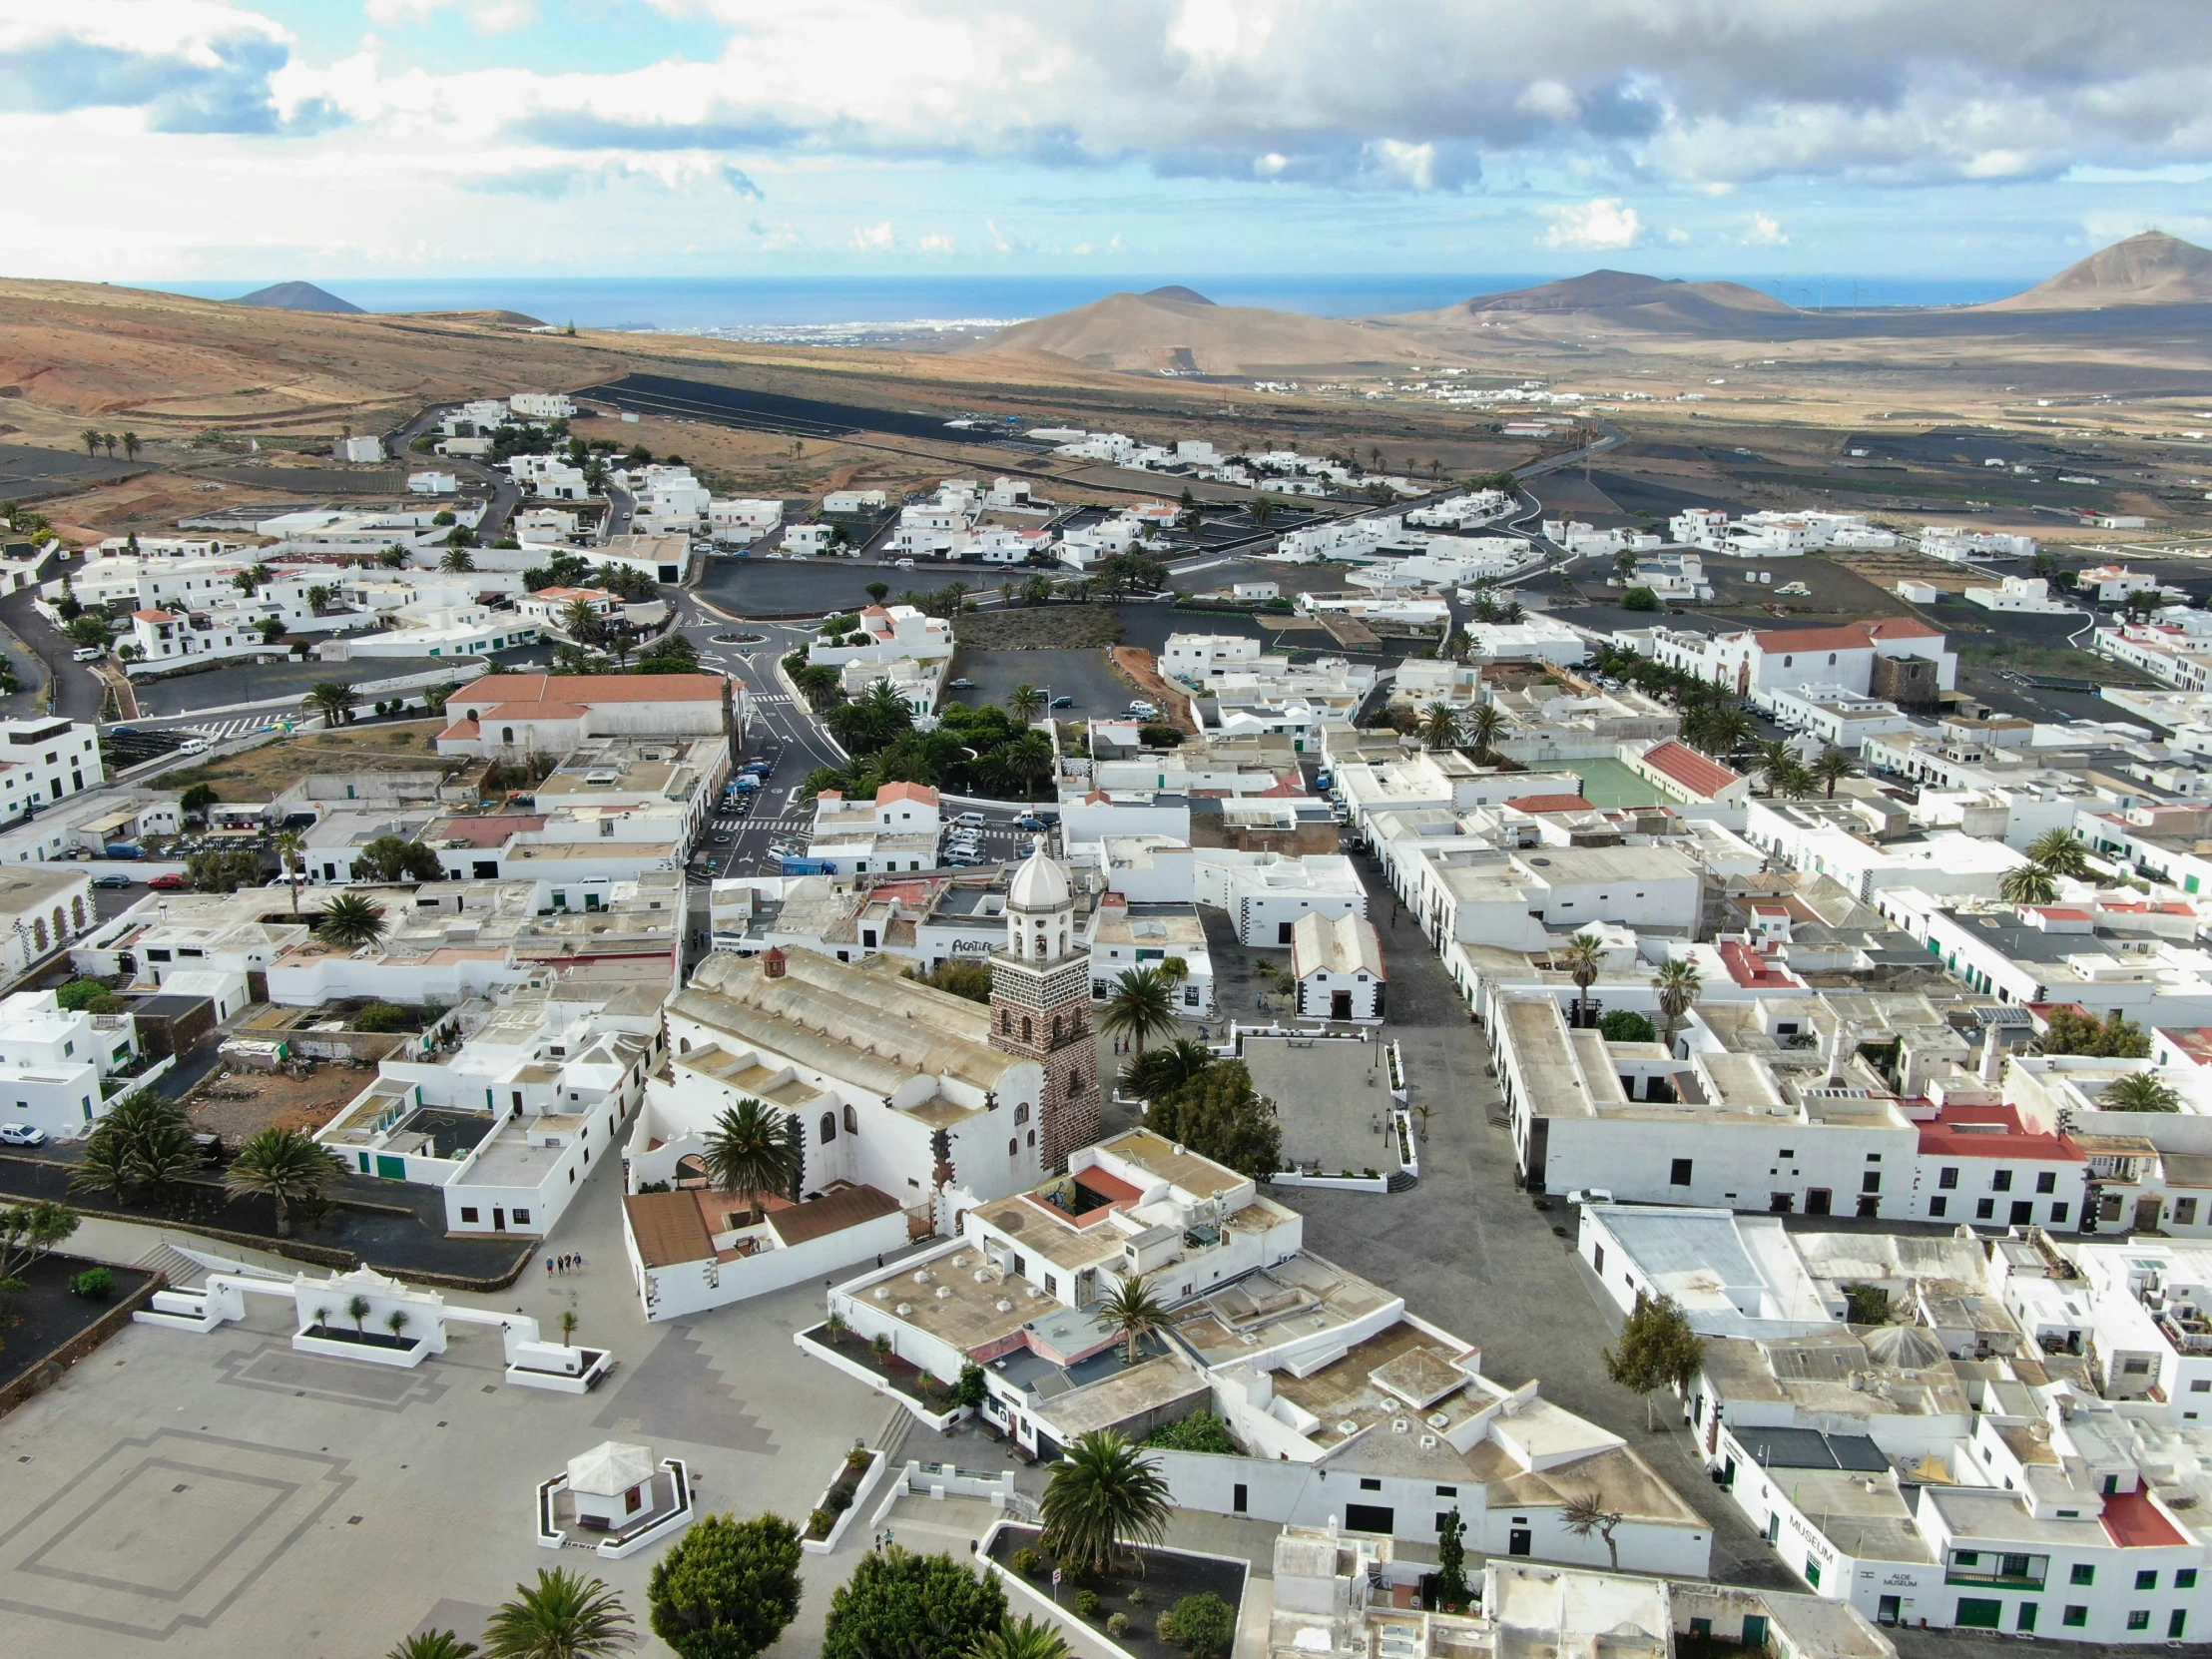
x: 1041, y: 1008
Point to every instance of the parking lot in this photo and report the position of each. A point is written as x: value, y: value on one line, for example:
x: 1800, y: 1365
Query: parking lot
x: 1085, y: 676
x: 759, y: 586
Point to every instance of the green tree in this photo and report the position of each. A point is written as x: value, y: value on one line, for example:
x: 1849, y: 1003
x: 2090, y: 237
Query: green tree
x: 727, y: 1588
x: 1585, y: 1513
x: 432, y: 1644
x: 1161, y: 1071
x: 877, y: 592
x: 899, y: 1605
x: 393, y: 859
x: 1025, y: 703
x: 1639, y: 599
x: 1657, y: 1350
x: 194, y: 802
x: 2028, y: 885
x: 581, y: 623
x: 142, y: 1140
x: 754, y: 1148
x: 1200, y: 1431
x: 87, y: 631
x: 457, y: 560
x: 2058, y: 852
x: 1203, y: 1626
x: 1102, y: 1494
x: 1584, y: 960
x: 348, y: 921
x: 1440, y: 725
x: 286, y: 1166
x: 1678, y: 985
x: 2072, y: 1030
x: 90, y: 438
x: 1219, y: 1115
x: 29, y: 1232
x: 291, y: 854
x: 1483, y: 724
x: 333, y: 700
x: 1451, y: 1561
x: 2140, y: 1091
x: 1132, y: 1313
x: 1832, y: 766
x: 1022, y: 1638
x: 1140, y: 1008
x: 1625, y: 1025
x: 563, y: 1616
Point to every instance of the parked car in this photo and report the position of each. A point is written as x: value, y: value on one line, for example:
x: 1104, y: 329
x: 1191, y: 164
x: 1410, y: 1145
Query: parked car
x: 1064, y: 701
x: 194, y: 745
x: 1029, y: 820
x: 113, y: 880
x: 86, y: 654
x: 905, y: 564
x: 963, y: 857
x: 21, y: 1134
x: 1590, y: 1195
x: 171, y: 883
x: 976, y: 818
x: 123, y: 730
x: 961, y: 683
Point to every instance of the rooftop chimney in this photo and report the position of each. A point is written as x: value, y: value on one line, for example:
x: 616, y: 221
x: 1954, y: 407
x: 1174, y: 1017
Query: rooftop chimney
x: 773, y: 962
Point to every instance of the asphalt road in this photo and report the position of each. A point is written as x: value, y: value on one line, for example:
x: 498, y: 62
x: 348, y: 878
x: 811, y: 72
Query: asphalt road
x: 79, y: 692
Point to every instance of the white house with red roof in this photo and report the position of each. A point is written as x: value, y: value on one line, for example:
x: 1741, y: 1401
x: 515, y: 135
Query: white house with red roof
x: 1694, y: 780
x: 507, y: 716
x: 1850, y: 656
x: 887, y: 632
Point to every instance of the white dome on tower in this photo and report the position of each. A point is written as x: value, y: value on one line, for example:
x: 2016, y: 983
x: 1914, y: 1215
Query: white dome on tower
x: 1040, y: 883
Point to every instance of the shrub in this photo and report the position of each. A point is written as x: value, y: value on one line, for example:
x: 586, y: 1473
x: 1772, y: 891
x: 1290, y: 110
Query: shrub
x: 94, y: 1284
x: 1116, y: 1624
x: 1639, y: 599
x: 1202, y: 1626
x: 1625, y: 1025
x: 859, y: 1458
x: 1086, y: 1604
x: 383, y: 1016
x: 820, y: 1523
x: 1200, y: 1431
x: 1028, y: 1562
x: 839, y: 1499
x: 80, y: 994
x: 1136, y: 1595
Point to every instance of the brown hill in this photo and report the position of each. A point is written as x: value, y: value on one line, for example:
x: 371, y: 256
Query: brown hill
x: 1605, y: 290
x: 2152, y: 269
x: 299, y: 296
x: 1166, y: 330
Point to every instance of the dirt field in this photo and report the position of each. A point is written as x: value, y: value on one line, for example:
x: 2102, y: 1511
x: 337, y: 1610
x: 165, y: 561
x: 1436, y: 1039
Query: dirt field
x: 403, y: 746
x: 276, y: 1100
x: 1040, y: 628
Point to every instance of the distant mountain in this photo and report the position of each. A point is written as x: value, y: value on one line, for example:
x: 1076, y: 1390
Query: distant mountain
x: 2152, y: 269
x: 297, y: 296
x: 1605, y: 290
x: 1177, y: 330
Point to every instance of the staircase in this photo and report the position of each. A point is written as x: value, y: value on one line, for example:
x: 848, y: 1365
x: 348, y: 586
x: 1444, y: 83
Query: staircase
x: 181, y: 1271
x: 1400, y: 1180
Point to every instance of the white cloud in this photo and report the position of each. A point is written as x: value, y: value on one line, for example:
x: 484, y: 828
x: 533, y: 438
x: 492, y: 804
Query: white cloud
x: 874, y: 239
x: 487, y: 17
x: 1766, y: 232
x: 1601, y: 224
x: 936, y: 242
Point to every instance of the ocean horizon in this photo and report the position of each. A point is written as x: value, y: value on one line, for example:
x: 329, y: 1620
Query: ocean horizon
x: 689, y: 304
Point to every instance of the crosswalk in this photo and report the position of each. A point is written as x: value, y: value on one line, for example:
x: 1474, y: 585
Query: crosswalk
x: 215, y: 731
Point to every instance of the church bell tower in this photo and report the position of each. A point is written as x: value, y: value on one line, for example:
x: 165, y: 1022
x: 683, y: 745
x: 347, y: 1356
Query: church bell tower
x: 1041, y: 1007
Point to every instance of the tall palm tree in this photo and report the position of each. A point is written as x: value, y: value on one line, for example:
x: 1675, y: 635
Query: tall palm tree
x: 90, y: 438
x: 1833, y: 767
x: 1439, y: 725
x: 291, y: 853
x: 2058, y: 852
x: 1677, y: 984
x: 332, y: 700
x: 1140, y: 1008
x: 348, y: 921
x: 580, y: 622
x: 432, y: 1644
x: 1584, y: 958
x: 1775, y: 762
x: 457, y: 559
x: 1022, y: 1638
x: 1724, y: 728
x: 1102, y: 1493
x: 886, y: 709
x: 564, y: 1616
x: 1483, y: 724
x: 130, y: 446
x: 2140, y: 1091
x: 1025, y: 703
x: 1133, y: 1312
x: 754, y: 1147
x: 2028, y: 885
x: 286, y: 1166
x: 1162, y: 1071
x: 1026, y: 763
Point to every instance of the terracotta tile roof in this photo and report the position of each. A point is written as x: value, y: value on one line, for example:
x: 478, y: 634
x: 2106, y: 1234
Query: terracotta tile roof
x: 922, y: 793
x: 1551, y: 804
x: 668, y: 1228
x: 1993, y: 1132
x: 1851, y: 636
x: 462, y: 731
x: 1690, y: 769
x: 535, y: 711
x: 155, y: 616
x: 2193, y: 1040
x: 1751, y: 969
x: 832, y: 1213
x: 591, y: 688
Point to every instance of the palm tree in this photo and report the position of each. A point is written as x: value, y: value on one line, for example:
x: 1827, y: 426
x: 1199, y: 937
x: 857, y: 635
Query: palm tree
x: 286, y: 1166
x: 291, y: 853
x: 90, y: 438
x: 1022, y: 1638
x: 1026, y: 763
x: 130, y: 446
x: 1140, y: 1008
x: 2140, y: 1091
x: 1132, y: 1311
x: 350, y: 921
x: 1584, y: 958
x: 887, y: 709
x: 1160, y: 1072
x: 1439, y: 725
x: 1586, y: 1514
x: 1677, y: 984
x: 1025, y: 703
x: 2028, y: 885
x: 432, y: 1644
x: 1483, y: 724
x: 754, y: 1147
x: 109, y: 1165
x: 1833, y: 767
x: 564, y: 1616
x: 1724, y: 730
x: 1775, y: 762
x: 457, y: 559
x: 580, y: 622
x: 2058, y: 852
x: 358, y: 1309
x: 1102, y: 1493
x: 334, y: 701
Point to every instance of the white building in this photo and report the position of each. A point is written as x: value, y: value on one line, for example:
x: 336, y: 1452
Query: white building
x: 511, y: 714
x: 56, y: 1066
x: 542, y: 405
x: 361, y: 450
x: 45, y: 762
x: 743, y: 519
x: 1336, y: 963
x: 2028, y: 595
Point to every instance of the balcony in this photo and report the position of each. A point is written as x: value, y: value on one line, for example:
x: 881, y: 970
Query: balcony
x: 1982, y: 1569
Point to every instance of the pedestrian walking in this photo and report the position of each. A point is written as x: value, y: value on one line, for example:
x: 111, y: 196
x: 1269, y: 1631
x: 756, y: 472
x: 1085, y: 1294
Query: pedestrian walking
x: 549, y: 1266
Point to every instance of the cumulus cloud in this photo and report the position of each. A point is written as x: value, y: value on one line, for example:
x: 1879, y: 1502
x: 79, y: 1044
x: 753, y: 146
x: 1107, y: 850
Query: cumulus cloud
x: 1766, y: 232
x: 1602, y: 224
x: 874, y: 239
x: 936, y: 242
x: 490, y: 17
x: 188, y: 67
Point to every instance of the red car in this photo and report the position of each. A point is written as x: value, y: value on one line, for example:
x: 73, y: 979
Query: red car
x: 170, y: 883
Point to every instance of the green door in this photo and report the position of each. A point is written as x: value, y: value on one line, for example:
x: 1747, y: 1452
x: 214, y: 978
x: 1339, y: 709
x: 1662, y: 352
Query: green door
x: 390, y: 1168
x: 1977, y: 1614
x: 1755, y: 1630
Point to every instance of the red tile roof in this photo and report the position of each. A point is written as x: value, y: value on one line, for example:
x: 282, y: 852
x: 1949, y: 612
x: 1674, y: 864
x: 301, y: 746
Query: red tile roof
x: 1993, y: 1132
x: 922, y: 793
x: 2134, y: 1521
x: 1690, y: 769
x: 2192, y: 1041
x: 590, y: 687
x: 1551, y: 804
x: 1751, y: 969
x: 1851, y: 636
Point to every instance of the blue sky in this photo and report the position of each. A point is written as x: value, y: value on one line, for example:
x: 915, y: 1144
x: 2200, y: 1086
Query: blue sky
x: 211, y: 139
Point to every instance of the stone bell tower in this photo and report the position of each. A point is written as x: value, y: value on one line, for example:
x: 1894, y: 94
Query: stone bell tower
x: 1041, y: 1008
